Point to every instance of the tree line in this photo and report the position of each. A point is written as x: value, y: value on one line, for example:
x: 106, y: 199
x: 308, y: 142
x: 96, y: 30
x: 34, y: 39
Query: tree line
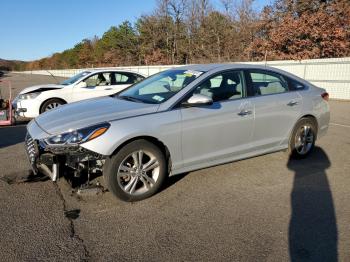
x: 194, y: 31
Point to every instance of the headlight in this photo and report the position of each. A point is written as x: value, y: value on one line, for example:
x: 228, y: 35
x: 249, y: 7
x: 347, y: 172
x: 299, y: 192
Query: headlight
x: 78, y: 136
x: 28, y: 96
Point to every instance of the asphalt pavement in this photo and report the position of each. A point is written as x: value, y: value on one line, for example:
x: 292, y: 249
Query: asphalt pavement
x: 267, y: 208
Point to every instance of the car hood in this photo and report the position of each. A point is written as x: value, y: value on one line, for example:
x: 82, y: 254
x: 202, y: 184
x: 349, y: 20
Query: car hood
x: 40, y: 88
x: 89, y: 112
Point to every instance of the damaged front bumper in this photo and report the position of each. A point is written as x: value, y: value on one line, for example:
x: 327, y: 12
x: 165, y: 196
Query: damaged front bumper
x: 50, y: 160
x: 26, y: 108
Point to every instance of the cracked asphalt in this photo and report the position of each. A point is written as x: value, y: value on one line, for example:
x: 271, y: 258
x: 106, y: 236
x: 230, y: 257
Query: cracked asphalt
x: 267, y: 208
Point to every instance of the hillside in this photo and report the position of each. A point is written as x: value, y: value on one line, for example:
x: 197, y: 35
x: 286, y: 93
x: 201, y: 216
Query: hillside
x: 9, y: 65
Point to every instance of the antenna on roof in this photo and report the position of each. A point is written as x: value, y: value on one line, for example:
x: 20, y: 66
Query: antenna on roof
x: 53, y: 76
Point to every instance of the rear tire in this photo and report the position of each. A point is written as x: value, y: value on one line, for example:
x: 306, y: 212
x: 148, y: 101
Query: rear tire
x: 51, y: 104
x: 303, y: 137
x: 136, y: 171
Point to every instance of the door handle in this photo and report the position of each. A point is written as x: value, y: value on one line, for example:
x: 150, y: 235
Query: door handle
x: 245, y: 113
x: 292, y: 103
x: 108, y: 88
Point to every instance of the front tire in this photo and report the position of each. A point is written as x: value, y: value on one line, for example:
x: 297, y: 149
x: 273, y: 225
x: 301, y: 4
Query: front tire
x: 136, y: 172
x: 50, y: 104
x: 303, y: 137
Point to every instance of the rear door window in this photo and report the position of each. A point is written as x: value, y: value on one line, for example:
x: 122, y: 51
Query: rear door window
x: 99, y: 79
x: 267, y: 83
x: 125, y: 78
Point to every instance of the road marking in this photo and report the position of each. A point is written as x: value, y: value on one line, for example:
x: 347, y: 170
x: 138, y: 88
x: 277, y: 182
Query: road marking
x: 335, y: 124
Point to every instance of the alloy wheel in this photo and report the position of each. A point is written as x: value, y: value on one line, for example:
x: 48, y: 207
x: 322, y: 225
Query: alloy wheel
x: 138, y: 172
x: 304, y: 139
x: 51, y: 106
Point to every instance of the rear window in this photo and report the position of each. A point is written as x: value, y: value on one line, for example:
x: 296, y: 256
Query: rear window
x: 295, y: 85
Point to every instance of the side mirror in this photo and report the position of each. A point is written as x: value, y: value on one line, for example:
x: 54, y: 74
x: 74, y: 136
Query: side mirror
x: 82, y: 84
x: 198, y: 100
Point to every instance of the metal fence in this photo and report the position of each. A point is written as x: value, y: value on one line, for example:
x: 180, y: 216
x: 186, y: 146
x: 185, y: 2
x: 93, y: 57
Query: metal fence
x: 333, y: 74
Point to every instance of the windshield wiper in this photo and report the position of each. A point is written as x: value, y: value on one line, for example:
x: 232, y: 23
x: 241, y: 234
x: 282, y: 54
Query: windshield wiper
x: 131, y: 98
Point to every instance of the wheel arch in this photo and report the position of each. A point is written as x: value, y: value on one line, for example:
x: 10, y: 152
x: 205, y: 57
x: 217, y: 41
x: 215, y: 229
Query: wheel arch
x: 162, y: 146
x: 310, y: 116
x: 51, y: 98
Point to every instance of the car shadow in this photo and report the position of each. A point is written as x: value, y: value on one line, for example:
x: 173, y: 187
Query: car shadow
x: 172, y: 180
x: 313, y: 234
x: 12, y: 135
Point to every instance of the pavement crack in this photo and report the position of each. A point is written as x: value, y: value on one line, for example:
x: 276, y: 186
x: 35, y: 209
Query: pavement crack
x: 72, y: 215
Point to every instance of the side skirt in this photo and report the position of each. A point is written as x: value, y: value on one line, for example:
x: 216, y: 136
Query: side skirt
x: 227, y: 160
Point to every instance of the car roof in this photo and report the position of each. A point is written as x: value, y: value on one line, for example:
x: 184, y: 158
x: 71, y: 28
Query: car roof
x: 209, y: 67
x: 228, y: 66
x: 100, y: 70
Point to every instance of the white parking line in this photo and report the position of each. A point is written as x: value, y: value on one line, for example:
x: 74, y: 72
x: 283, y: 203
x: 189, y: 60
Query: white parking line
x: 335, y: 124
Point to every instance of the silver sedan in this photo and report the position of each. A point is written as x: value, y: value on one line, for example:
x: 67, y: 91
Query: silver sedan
x: 176, y: 121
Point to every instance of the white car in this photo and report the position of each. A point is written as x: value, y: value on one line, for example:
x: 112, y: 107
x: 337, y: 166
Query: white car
x: 35, y: 100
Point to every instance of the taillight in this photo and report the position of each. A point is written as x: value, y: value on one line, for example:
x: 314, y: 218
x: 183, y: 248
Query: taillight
x: 325, y: 96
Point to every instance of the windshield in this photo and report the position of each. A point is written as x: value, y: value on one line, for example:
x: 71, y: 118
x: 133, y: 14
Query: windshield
x: 160, y: 87
x: 74, y: 78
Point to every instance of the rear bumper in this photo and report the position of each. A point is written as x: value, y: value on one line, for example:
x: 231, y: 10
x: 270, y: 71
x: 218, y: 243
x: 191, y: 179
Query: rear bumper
x: 322, y: 130
x: 323, y: 120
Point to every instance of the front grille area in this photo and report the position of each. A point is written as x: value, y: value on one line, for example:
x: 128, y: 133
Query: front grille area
x: 31, y: 148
